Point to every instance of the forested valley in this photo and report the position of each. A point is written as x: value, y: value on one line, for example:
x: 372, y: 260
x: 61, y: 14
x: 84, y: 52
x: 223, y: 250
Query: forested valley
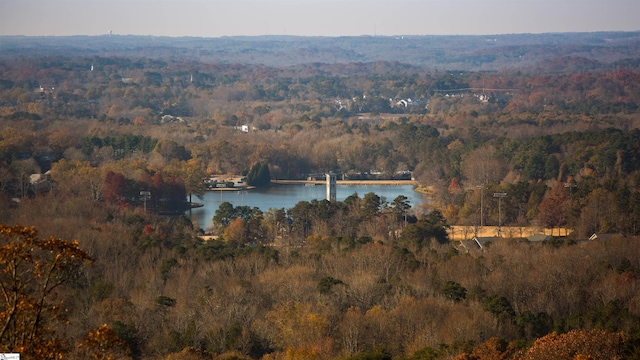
x: 102, y: 155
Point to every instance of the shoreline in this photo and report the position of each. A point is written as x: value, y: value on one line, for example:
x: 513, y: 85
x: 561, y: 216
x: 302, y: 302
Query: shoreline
x: 417, y: 187
x: 346, y: 182
x: 426, y: 190
x: 239, y: 188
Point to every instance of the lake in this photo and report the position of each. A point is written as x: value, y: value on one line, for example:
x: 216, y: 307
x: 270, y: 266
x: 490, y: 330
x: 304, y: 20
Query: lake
x: 287, y: 196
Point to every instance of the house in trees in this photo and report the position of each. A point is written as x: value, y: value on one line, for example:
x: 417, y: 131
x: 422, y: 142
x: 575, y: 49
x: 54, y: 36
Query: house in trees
x: 244, y: 128
x: 170, y: 119
x: 40, y: 182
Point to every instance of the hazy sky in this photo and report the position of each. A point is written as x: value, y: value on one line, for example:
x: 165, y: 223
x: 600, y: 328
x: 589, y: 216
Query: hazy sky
x: 213, y: 18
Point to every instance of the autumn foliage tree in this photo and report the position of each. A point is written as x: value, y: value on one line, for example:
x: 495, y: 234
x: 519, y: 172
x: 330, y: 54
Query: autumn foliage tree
x: 300, y: 329
x: 492, y: 349
x: 235, y: 233
x: 103, y: 343
x: 114, y: 187
x: 578, y: 344
x: 552, y: 211
x: 73, y: 176
x: 32, y: 270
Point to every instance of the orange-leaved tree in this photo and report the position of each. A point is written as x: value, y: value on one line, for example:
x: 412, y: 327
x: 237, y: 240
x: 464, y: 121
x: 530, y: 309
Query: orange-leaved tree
x: 31, y: 271
x: 578, y: 344
x: 103, y: 343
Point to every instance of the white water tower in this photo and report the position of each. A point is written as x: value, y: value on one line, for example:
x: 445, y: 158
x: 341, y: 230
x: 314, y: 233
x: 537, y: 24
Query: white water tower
x: 331, y: 186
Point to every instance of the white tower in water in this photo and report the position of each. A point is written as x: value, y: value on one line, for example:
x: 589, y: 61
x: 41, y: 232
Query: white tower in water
x: 331, y: 186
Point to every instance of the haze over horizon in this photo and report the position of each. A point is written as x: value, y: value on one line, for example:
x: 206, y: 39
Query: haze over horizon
x: 215, y: 18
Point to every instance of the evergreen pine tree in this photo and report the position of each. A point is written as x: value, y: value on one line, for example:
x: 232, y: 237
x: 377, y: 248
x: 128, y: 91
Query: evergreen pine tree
x: 259, y: 175
x: 264, y: 177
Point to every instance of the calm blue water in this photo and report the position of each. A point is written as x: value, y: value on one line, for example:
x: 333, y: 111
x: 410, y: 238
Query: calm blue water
x: 287, y: 196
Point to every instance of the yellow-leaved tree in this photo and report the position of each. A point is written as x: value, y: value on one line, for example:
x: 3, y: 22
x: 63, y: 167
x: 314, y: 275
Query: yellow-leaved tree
x: 31, y: 271
x: 299, y: 330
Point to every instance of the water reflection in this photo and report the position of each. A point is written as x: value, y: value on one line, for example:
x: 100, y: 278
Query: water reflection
x: 287, y: 196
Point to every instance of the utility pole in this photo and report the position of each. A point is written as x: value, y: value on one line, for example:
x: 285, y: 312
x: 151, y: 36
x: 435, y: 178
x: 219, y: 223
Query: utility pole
x: 570, y: 185
x: 499, y: 196
x: 481, y: 187
x: 146, y: 195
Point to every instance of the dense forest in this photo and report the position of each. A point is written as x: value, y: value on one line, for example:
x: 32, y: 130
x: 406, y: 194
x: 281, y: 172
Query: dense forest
x: 103, y: 150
